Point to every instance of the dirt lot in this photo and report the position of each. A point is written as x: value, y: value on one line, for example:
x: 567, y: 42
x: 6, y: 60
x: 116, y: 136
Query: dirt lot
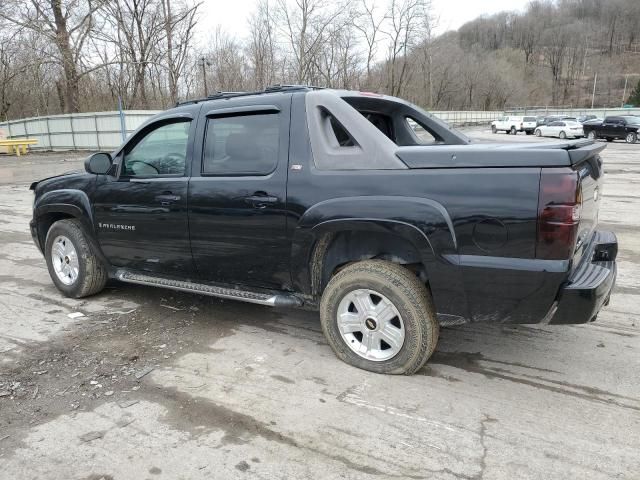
x: 149, y: 383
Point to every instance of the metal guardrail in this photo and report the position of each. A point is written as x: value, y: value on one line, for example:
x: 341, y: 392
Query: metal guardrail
x: 78, y: 131
x: 103, y: 130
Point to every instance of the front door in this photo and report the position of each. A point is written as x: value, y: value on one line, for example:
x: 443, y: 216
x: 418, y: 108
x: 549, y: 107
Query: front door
x: 141, y: 215
x: 237, y: 196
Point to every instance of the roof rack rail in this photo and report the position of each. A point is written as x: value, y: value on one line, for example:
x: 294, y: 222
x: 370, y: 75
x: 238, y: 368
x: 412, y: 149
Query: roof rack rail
x: 270, y: 89
x: 281, y: 88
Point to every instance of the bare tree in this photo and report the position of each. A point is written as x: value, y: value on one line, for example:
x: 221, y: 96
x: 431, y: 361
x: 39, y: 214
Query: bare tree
x: 261, y: 48
x: 67, y: 24
x: 405, y: 19
x: 305, y: 26
x: 137, y: 30
x: 368, y: 22
x: 179, y: 24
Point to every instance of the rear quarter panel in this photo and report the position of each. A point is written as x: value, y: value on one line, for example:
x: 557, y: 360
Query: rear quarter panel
x: 479, y: 224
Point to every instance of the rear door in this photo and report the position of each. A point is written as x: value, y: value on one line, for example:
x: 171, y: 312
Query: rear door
x: 621, y: 128
x: 237, y: 193
x: 553, y: 129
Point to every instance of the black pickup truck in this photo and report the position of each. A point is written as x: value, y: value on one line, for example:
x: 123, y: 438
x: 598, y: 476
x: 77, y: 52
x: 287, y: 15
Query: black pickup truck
x: 359, y: 205
x: 623, y: 127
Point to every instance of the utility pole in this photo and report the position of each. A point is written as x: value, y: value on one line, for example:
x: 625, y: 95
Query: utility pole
x: 593, y: 95
x: 624, y: 92
x: 203, y: 63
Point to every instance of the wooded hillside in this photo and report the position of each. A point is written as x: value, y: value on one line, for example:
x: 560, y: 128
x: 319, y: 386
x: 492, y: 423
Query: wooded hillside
x: 82, y: 55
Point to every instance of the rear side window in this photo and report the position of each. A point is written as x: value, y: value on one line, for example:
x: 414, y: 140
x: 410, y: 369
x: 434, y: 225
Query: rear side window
x: 423, y: 137
x: 241, y: 145
x: 529, y: 119
x: 343, y: 137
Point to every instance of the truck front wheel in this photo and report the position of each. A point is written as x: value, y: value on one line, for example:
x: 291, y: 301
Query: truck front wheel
x: 73, y: 266
x: 378, y: 316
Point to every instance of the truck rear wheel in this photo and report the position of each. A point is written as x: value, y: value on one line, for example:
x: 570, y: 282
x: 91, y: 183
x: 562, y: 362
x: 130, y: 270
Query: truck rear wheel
x: 631, y: 137
x: 378, y: 316
x: 73, y: 266
x: 514, y: 131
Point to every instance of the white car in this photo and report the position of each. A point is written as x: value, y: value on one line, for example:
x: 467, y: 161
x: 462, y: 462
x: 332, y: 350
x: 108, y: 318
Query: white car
x: 513, y: 125
x: 560, y: 129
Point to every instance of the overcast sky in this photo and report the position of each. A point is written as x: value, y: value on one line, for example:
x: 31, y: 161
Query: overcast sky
x: 232, y: 14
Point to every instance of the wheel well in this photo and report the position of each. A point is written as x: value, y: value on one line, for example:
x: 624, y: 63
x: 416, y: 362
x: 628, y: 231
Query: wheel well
x: 44, y: 224
x: 335, y: 251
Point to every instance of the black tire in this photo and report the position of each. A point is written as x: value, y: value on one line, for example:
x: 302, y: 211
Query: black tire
x: 407, y: 294
x: 609, y: 139
x: 92, y: 274
x: 538, y: 132
x: 494, y: 129
x: 514, y: 131
x: 592, y: 135
x: 631, y: 137
x: 562, y: 135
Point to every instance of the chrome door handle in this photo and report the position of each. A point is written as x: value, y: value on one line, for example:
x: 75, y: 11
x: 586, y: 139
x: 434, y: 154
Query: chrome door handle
x: 261, y: 201
x: 167, y: 199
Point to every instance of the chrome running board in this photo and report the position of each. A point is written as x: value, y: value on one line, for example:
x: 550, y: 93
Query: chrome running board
x: 269, y: 299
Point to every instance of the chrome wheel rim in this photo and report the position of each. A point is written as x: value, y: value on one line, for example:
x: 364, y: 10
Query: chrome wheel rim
x: 630, y: 138
x: 370, y: 325
x: 64, y: 259
x: 592, y: 135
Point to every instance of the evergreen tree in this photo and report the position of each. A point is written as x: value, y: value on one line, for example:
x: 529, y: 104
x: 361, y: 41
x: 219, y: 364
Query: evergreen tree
x: 634, y: 98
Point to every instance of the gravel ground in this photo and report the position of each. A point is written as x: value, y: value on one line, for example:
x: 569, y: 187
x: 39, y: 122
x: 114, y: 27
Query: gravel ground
x: 149, y: 383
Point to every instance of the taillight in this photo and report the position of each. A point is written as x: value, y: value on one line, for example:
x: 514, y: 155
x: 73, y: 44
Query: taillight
x: 559, y: 205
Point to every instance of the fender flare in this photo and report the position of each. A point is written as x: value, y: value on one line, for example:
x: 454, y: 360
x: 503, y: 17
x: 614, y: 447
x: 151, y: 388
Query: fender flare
x: 74, y: 203
x: 423, y: 222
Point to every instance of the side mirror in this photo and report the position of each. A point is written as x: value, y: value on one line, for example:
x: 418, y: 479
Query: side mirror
x: 98, y: 163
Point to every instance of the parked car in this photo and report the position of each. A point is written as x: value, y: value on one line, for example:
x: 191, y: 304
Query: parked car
x: 586, y: 118
x: 612, y: 128
x: 561, y: 129
x: 361, y: 206
x: 548, y: 119
x: 514, y: 124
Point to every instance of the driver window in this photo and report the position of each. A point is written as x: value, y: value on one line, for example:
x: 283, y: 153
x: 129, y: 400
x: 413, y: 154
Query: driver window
x: 162, y: 151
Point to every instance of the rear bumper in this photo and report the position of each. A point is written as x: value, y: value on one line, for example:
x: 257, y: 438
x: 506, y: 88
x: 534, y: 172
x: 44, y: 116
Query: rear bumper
x: 590, y: 285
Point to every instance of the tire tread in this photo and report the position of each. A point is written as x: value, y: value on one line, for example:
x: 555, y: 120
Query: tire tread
x: 410, y: 288
x: 93, y: 275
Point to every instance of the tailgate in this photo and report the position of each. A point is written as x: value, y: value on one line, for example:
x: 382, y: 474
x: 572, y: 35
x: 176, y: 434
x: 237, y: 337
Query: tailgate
x: 587, y: 162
